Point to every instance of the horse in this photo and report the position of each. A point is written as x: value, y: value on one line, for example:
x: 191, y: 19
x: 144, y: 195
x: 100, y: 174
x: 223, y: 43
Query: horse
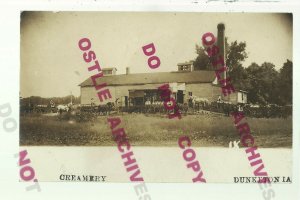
x: 106, y: 109
x: 199, y: 101
x: 61, y: 108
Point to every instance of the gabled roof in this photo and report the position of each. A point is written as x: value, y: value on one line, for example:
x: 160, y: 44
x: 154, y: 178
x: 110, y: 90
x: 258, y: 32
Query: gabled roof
x: 109, y: 68
x: 185, y: 63
x: 159, y: 77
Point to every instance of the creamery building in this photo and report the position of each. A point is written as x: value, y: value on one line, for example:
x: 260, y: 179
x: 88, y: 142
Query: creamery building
x: 140, y: 89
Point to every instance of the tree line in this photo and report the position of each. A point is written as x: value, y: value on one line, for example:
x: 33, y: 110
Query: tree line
x: 264, y: 84
x: 37, y: 100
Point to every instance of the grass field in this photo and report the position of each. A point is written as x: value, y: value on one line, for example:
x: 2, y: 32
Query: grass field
x: 152, y: 130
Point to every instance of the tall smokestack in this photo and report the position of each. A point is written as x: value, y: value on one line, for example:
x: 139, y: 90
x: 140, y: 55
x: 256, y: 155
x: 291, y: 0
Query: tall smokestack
x: 127, y: 70
x: 221, y: 44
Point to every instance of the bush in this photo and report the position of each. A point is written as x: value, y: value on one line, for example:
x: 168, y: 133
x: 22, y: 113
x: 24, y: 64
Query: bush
x: 85, y: 117
x: 78, y: 116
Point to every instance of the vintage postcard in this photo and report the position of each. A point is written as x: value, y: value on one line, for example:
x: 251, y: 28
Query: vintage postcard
x: 159, y: 97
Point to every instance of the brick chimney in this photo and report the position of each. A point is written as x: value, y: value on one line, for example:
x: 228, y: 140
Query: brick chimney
x: 221, y: 44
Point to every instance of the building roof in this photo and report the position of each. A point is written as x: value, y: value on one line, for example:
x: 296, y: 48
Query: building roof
x: 186, y: 63
x: 109, y: 68
x: 151, y: 78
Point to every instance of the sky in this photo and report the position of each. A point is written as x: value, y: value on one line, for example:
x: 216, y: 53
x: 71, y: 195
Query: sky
x: 52, y: 63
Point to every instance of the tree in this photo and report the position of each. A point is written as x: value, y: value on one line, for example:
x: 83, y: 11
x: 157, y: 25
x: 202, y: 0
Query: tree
x: 285, y: 83
x: 202, y: 62
x: 239, y: 77
x: 235, y: 55
x: 263, y: 82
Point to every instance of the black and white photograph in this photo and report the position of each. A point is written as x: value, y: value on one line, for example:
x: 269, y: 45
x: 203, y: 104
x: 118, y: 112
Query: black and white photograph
x: 152, y: 81
x: 149, y: 100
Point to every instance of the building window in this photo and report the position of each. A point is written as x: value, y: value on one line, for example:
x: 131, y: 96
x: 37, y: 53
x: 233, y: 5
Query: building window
x: 190, y: 94
x: 185, y: 68
x: 106, y: 72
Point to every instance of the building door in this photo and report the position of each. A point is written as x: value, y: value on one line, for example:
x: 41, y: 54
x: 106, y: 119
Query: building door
x: 180, y: 96
x: 137, y: 97
x: 126, y: 101
x: 138, y: 101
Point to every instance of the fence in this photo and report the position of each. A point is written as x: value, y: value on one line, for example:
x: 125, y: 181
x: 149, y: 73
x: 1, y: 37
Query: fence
x: 267, y: 111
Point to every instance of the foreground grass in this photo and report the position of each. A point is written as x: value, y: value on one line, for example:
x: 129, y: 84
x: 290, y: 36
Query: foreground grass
x: 152, y: 130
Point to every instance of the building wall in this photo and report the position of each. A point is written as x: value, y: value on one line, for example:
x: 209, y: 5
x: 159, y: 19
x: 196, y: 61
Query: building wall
x: 242, y: 97
x: 116, y: 92
x: 233, y: 98
x: 203, y: 90
x: 87, y: 93
x: 236, y: 97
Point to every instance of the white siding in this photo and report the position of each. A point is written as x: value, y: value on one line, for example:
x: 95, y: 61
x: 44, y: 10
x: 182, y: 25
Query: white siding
x: 242, y: 97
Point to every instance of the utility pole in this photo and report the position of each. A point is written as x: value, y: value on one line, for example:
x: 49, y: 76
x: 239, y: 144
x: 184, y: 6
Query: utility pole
x: 71, y: 99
